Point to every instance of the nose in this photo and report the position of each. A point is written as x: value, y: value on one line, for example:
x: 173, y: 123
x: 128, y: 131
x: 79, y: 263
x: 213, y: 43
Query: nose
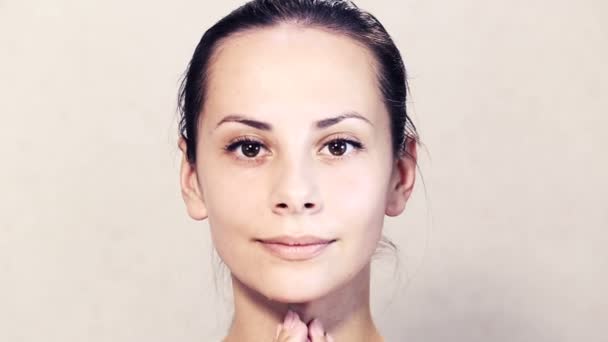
x: 295, y: 190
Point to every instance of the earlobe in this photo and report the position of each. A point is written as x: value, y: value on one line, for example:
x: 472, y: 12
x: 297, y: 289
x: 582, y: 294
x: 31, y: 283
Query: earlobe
x: 402, y: 181
x: 190, y: 186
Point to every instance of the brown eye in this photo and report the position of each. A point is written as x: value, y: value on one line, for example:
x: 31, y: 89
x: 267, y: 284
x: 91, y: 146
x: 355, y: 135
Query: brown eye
x: 250, y: 150
x: 337, y: 147
x: 245, y: 148
x: 342, y: 147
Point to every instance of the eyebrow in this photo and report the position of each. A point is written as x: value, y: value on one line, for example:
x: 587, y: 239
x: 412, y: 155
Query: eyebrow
x: 264, y: 126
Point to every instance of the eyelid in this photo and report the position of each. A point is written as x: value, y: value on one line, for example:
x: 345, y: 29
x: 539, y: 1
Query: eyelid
x: 344, y: 137
x: 244, y: 139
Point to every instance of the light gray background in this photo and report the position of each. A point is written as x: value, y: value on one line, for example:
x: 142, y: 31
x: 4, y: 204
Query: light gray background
x: 508, y: 244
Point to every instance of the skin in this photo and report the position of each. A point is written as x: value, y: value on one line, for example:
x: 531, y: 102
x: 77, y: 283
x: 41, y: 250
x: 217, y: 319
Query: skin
x: 291, y: 77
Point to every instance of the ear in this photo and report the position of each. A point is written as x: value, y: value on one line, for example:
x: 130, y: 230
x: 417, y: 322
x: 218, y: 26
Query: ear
x: 402, y: 180
x: 191, y: 190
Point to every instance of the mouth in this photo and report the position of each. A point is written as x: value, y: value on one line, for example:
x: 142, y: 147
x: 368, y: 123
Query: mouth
x: 296, y: 248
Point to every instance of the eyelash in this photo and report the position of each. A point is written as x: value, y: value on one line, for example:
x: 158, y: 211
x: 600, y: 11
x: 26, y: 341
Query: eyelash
x: 236, y: 143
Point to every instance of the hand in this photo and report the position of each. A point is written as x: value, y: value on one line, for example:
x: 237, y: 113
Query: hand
x: 294, y: 330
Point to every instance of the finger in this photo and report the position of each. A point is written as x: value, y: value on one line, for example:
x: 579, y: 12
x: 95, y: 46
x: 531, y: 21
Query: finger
x: 282, y: 334
x: 317, y: 332
x: 293, y: 329
x: 299, y: 329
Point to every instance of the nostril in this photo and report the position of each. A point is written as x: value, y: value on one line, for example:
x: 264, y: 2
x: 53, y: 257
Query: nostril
x: 309, y: 205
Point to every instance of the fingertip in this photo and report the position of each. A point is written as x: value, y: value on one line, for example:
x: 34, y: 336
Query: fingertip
x: 300, y: 328
x: 316, y: 326
x: 287, y: 319
x: 296, y: 319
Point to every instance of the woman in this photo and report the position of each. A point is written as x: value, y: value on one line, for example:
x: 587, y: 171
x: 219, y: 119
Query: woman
x: 296, y: 143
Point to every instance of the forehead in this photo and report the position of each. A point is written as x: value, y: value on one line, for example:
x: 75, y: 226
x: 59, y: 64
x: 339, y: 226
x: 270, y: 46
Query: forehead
x: 289, y: 72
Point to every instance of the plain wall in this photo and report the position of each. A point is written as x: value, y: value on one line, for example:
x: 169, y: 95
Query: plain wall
x: 506, y: 241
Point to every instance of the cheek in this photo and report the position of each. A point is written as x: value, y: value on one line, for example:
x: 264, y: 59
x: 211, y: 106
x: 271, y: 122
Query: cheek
x: 233, y: 205
x: 356, y: 200
x: 235, y: 197
x: 356, y: 190
x: 226, y: 186
x: 233, y: 200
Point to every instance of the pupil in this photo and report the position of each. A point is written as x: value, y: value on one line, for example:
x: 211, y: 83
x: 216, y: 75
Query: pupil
x: 250, y: 150
x: 337, y: 148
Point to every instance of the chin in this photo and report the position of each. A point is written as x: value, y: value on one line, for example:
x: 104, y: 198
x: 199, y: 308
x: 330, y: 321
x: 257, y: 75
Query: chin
x: 294, y: 289
x: 293, y: 295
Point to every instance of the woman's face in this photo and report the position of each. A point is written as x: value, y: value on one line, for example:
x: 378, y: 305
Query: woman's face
x: 277, y: 87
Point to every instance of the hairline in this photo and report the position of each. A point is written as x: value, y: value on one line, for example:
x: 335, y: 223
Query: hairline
x: 219, y: 45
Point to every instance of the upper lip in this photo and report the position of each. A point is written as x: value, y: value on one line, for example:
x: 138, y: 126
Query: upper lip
x: 297, y: 240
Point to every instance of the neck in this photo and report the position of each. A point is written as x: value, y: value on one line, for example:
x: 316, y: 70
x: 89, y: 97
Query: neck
x: 345, y: 312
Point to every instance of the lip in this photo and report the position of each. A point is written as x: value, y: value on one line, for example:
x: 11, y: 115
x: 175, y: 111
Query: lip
x: 295, y: 248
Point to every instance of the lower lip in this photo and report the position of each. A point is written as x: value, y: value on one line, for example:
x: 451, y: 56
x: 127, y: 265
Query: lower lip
x: 295, y: 252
